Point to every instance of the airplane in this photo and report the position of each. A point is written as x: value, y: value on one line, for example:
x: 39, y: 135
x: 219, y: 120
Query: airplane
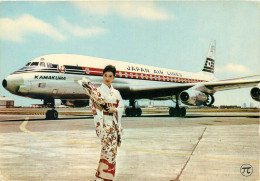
x: 56, y: 76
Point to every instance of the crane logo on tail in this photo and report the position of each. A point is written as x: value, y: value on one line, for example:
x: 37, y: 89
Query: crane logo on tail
x: 210, y: 60
x: 209, y: 65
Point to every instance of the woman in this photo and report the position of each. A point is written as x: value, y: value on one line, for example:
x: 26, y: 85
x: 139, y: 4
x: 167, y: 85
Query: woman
x: 108, y: 125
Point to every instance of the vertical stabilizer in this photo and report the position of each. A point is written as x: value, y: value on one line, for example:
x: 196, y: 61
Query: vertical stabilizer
x: 210, y: 60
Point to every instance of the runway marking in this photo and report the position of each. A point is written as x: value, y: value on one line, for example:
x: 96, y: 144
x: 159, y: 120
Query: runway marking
x: 24, y: 129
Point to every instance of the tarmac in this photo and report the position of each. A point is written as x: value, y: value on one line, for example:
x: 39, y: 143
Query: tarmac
x: 155, y: 147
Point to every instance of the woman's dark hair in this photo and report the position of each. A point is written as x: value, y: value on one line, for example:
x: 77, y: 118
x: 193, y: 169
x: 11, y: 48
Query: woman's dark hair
x: 110, y: 68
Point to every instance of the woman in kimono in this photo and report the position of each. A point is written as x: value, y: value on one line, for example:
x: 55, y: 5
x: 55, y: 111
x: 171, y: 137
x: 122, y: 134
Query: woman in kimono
x: 108, y: 125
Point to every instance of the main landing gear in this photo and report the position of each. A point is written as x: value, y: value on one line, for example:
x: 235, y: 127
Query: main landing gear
x: 50, y: 114
x: 177, y: 111
x: 133, y: 111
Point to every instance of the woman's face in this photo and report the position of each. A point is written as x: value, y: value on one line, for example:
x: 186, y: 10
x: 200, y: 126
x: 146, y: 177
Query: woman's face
x: 108, y: 78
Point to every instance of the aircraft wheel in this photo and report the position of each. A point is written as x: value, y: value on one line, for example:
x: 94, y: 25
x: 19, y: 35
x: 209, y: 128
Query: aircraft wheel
x: 52, y: 114
x: 133, y: 112
x: 138, y: 112
x: 176, y: 112
x: 171, y: 111
x: 48, y: 114
x: 182, y: 112
x: 55, y: 114
x: 128, y: 112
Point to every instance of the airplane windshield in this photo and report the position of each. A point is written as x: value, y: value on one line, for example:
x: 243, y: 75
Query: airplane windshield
x: 49, y: 65
x: 42, y: 64
x: 34, y: 64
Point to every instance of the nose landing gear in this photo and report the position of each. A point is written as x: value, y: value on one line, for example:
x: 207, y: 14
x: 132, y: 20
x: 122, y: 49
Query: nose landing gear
x: 50, y: 114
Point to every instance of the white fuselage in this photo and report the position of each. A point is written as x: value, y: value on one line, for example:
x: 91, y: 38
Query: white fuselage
x: 57, y: 76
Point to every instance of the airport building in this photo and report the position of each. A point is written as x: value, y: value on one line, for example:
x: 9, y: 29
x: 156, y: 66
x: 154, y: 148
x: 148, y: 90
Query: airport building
x: 6, y: 102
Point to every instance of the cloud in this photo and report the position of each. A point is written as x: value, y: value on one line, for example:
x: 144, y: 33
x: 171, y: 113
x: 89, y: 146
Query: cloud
x: 145, y: 10
x: 232, y: 68
x: 80, y: 31
x: 17, y: 29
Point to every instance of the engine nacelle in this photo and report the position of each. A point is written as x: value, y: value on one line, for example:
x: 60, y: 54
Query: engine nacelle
x: 255, y: 93
x: 75, y: 103
x: 196, y: 98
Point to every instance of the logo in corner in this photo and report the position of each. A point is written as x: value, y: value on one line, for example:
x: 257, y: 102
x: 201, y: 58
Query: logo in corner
x: 246, y: 170
x: 61, y: 69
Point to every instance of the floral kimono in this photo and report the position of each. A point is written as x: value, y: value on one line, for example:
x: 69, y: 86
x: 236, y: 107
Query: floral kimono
x: 108, y: 129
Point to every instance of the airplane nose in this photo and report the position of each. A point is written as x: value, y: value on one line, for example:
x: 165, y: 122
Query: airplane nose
x: 4, y: 83
x: 12, y: 83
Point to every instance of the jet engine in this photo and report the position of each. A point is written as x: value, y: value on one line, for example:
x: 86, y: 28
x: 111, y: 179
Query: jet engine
x: 75, y: 103
x: 255, y: 93
x: 196, y: 98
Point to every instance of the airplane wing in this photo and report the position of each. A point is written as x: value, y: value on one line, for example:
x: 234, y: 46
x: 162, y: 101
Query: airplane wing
x: 244, y: 77
x: 153, y: 92
x: 233, y: 84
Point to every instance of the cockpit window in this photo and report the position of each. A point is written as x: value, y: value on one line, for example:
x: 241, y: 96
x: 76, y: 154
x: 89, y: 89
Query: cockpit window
x: 42, y: 64
x: 34, y: 64
x: 49, y: 65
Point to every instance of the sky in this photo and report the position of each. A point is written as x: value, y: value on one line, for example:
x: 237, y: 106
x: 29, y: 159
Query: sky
x: 167, y: 34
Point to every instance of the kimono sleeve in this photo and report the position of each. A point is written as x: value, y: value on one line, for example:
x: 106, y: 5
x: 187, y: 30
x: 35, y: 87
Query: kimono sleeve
x: 98, y: 119
x: 120, y: 109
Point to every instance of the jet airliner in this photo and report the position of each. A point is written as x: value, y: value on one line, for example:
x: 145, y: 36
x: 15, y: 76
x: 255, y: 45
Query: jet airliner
x: 56, y: 76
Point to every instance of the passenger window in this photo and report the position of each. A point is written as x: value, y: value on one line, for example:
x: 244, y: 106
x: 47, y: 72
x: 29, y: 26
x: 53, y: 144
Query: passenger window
x: 34, y: 64
x: 28, y: 64
x: 42, y: 64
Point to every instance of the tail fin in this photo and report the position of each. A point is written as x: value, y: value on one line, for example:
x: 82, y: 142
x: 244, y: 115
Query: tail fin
x: 210, y: 60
